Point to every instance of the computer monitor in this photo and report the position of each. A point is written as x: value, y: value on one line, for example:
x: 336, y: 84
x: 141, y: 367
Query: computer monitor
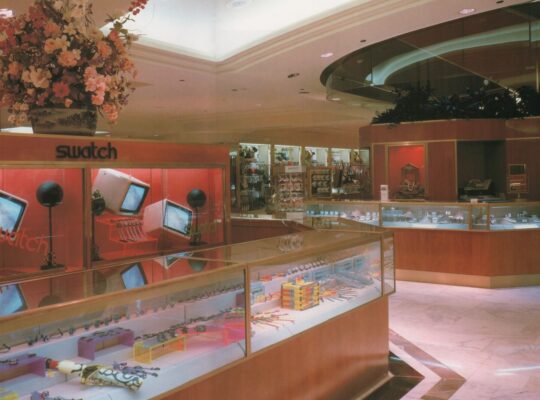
x: 123, y: 194
x: 11, y: 299
x: 133, y: 276
x: 177, y: 218
x: 166, y: 215
x: 11, y: 212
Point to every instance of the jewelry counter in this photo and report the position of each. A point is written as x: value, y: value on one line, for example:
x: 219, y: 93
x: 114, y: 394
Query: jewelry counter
x: 483, y: 245
x: 178, y: 324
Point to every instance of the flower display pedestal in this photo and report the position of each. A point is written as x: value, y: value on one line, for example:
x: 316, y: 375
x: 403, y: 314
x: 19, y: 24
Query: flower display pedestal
x: 64, y: 121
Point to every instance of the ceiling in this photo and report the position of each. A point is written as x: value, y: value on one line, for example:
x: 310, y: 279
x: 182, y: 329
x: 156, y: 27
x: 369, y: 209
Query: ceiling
x: 252, y: 73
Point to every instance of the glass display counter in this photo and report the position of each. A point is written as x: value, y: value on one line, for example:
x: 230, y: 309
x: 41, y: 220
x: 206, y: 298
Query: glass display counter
x: 367, y: 212
x: 515, y: 216
x: 154, y: 325
x: 426, y: 215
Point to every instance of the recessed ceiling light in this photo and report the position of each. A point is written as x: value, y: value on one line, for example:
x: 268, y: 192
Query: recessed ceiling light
x: 238, y: 3
x: 327, y: 55
x: 6, y: 13
x: 467, y: 11
x: 363, y: 41
x: 155, y: 135
x: 335, y: 99
x: 293, y: 75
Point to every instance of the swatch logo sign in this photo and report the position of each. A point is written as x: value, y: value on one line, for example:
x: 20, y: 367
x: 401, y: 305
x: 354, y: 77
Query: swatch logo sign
x: 90, y: 152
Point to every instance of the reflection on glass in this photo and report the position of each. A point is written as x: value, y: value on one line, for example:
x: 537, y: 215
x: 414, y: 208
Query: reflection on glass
x: 133, y: 277
x: 11, y: 299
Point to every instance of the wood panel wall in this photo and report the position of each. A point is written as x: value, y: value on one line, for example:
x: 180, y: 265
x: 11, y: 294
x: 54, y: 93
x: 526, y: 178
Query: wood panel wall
x: 337, y: 360
x: 469, y: 253
x: 379, y: 169
x: 441, y: 171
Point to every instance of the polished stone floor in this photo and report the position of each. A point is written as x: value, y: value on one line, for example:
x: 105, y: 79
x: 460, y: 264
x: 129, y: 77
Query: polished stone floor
x: 468, y: 343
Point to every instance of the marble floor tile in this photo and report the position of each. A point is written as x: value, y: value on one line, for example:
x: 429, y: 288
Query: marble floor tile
x: 489, y: 337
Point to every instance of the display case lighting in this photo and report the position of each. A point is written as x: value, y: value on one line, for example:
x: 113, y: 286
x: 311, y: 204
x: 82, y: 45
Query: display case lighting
x: 467, y: 11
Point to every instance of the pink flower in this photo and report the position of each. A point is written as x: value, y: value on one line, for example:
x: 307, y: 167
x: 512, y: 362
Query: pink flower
x: 69, y: 58
x: 90, y: 72
x: 97, y: 100
x: 15, y: 69
x: 104, y: 49
x: 60, y: 89
x: 51, y: 29
x: 110, y: 111
x: 55, y: 44
x: 39, y: 77
x: 68, y: 103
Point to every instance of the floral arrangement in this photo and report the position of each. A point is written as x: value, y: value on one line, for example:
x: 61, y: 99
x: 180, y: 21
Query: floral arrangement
x: 55, y: 56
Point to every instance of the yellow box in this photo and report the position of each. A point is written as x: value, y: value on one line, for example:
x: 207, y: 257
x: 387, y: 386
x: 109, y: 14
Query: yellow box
x: 145, y: 353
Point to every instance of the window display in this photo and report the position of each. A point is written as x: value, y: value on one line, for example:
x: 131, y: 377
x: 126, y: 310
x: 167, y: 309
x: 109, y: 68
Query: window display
x: 406, y: 171
x: 151, y: 212
x: 287, y: 155
x: 123, y: 194
x: 39, y: 209
x: 11, y: 213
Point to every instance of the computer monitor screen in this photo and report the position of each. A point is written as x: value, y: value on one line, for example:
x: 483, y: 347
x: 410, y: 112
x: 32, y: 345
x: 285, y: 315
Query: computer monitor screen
x: 11, y: 300
x: 11, y: 212
x: 177, y: 218
x: 133, y: 276
x: 134, y: 198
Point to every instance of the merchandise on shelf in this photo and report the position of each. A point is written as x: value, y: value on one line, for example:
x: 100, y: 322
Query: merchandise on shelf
x: 299, y: 295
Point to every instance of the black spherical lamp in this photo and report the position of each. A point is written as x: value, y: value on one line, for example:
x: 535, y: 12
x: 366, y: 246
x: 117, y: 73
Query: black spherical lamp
x: 49, y: 194
x: 196, y: 198
x: 98, y: 207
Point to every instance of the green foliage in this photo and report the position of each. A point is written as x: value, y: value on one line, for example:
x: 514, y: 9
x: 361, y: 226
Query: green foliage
x: 420, y: 104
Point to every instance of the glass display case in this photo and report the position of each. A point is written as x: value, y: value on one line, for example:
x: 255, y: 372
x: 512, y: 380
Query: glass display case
x: 318, y: 211
x: 175, y: 320
x: 320, y: 182
x: 425, y: 216
x: 153, y: 325
x: 301, y: 280
x: 290, y: 188
x: 517, y: 215
x: 253, y: 176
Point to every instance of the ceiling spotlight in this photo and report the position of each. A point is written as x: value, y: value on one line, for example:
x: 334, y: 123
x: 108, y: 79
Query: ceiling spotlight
x: 327, y: 55
x: 238, y: 3
x: 363, y: 41
x: 467, y: 11
x: 293, y: 75
x: 335, y: 99
x: 6, y: 13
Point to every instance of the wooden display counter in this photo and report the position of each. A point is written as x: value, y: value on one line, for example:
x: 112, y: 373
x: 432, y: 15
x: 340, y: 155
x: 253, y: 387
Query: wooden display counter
x: 479, y: 259
x: 306, y: 366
